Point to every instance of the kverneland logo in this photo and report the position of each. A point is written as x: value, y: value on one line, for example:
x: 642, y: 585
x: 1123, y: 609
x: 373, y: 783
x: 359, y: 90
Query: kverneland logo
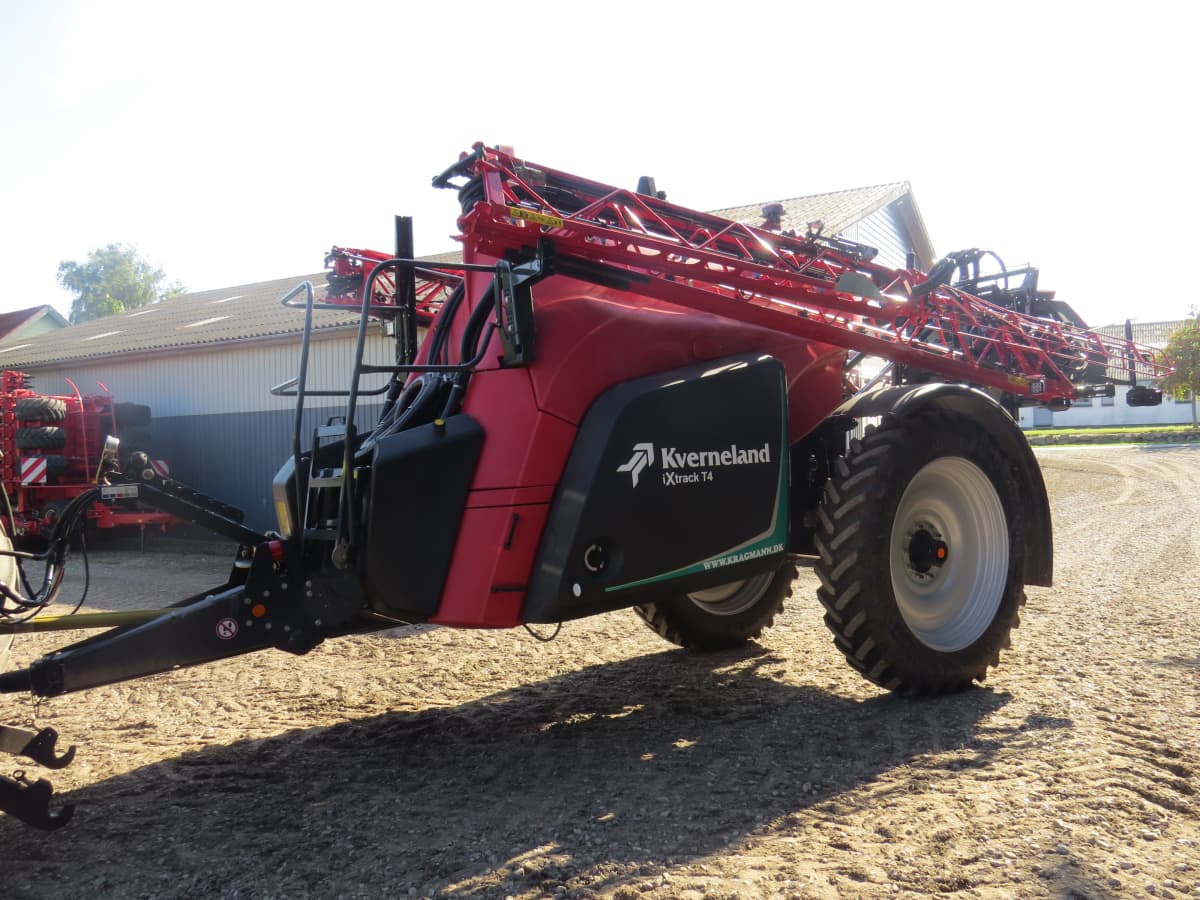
x: 734, y: 456
x: 643, y: 455
x: 671, y: 458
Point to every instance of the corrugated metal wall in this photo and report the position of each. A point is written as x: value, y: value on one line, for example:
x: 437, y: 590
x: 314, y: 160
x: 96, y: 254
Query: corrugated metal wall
x: 214, y: 419
x: 883, y: 231
x: 234, y: 456
x: 227, y: 378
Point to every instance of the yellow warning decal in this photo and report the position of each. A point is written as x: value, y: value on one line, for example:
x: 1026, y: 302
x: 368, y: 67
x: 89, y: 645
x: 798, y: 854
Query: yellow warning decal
x: 1018, y: 381
x: 537, y: 218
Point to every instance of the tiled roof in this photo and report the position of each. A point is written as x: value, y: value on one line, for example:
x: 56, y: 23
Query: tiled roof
x: 14, y: 321
x: 838, y: 209
x: 253, y: 311
x: 1154, y: 334
x: 245, y: 312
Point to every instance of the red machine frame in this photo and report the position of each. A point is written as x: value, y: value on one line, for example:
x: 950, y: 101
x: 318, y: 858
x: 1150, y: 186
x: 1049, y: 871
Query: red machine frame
x: 88, y: 420
x: 809, y: 286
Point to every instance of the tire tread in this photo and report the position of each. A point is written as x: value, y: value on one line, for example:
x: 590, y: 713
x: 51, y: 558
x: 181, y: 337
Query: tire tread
x: 847, y: 522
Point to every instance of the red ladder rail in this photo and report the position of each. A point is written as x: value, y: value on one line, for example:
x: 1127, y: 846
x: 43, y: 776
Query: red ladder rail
x: 811, y: 286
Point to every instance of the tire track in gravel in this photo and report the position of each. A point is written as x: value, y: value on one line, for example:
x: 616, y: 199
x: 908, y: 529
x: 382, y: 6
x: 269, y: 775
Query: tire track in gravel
x: 1125, y: 647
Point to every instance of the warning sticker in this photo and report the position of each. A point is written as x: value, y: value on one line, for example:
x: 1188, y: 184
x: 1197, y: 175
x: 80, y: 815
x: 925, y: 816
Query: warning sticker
x: 227, y: 629
x: 33, y: 470
x: 119, y: 491
x: 536, y: 217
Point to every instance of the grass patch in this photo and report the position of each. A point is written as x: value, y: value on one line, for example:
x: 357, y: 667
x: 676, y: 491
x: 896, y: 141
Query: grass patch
x: 1117, y: 430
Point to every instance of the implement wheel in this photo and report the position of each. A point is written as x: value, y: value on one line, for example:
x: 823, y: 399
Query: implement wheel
x: 721, y: 617
x: 920, y: 561
x: 40, y: 409
x: 45, y: 438
x: 131, y: 414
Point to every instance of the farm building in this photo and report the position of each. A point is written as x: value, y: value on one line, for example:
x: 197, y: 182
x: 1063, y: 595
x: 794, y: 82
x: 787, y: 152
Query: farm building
x: 26, y: 323
x: 205, y: 362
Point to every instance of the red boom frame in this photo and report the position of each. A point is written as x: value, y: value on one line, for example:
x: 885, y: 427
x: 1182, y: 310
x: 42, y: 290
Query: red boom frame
x: 795, y: 285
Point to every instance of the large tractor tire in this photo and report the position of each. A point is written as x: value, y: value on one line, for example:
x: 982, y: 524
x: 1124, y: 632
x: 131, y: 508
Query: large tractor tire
x: 131, y: 414
x: 45, y: 438
x: 920, y: 557
x: 40, y: 409
x: 721, y: 617
x: 134, y: 437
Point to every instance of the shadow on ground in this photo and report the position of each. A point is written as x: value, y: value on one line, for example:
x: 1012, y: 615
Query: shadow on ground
x: 587, y: 777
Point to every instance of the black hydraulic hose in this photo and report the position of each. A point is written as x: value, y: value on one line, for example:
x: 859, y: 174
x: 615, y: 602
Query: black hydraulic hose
x: 415, y: 400
x: 393, y: 417
x: 469, y: 345
x: 458, y: 168
x: 12, y: 519
x: 441, y: 329
x: 469, y: 348
x: 437, y: 344
x: 64, y: 528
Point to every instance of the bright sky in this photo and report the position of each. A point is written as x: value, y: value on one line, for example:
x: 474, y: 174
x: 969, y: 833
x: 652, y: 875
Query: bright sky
x: 236, y: 142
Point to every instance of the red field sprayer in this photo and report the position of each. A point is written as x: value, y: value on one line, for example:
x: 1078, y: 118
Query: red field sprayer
x: 625, y: 403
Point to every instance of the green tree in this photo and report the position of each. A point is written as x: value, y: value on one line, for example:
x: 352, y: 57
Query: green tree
x: 113, y: 279
x: 1183, y: 354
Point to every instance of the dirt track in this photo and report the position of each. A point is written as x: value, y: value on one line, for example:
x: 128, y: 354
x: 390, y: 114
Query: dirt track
x: 469, y: 765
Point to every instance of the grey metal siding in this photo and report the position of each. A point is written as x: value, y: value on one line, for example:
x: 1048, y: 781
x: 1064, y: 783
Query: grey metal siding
x: 225, y: 378
x: 214, y: 418
x: 882, y: 230
x: 234, y: 456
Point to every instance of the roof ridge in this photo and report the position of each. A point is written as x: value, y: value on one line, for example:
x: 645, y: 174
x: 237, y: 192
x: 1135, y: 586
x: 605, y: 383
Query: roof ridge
x: 866, y: 187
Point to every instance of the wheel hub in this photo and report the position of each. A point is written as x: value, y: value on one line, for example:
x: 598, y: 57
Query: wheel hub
x: 927, y: 551
x: 949, y: 599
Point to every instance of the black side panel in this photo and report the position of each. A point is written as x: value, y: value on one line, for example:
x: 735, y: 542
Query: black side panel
x: 676, y: 482
x: 419, y: 483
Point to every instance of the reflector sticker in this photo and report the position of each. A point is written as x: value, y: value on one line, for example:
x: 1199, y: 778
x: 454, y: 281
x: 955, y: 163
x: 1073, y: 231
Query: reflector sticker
x: 33, y: 470
x: 161, y: 468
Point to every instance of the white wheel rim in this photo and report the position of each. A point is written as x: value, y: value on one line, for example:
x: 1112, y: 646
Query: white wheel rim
x: 950, y: 503
x: 732, y: 598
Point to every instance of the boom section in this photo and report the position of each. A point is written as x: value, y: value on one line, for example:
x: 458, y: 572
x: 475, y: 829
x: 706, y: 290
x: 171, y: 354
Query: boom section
x: 813, y: 286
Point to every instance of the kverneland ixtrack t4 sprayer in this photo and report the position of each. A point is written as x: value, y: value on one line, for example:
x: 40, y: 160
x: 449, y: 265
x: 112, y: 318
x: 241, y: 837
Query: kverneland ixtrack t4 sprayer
x: 625, y: 403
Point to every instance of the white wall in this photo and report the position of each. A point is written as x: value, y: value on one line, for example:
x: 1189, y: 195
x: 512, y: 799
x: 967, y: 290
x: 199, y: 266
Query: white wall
x: 1170, y: 412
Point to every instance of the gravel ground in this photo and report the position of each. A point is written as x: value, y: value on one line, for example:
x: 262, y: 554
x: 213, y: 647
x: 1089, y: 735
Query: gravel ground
x: 455, y: 764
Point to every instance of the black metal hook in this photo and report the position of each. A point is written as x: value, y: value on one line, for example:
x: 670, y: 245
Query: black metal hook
x: 30, y: 802
x: 41, y: 749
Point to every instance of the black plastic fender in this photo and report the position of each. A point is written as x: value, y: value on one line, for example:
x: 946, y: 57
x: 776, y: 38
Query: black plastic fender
x: 969, y: 401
